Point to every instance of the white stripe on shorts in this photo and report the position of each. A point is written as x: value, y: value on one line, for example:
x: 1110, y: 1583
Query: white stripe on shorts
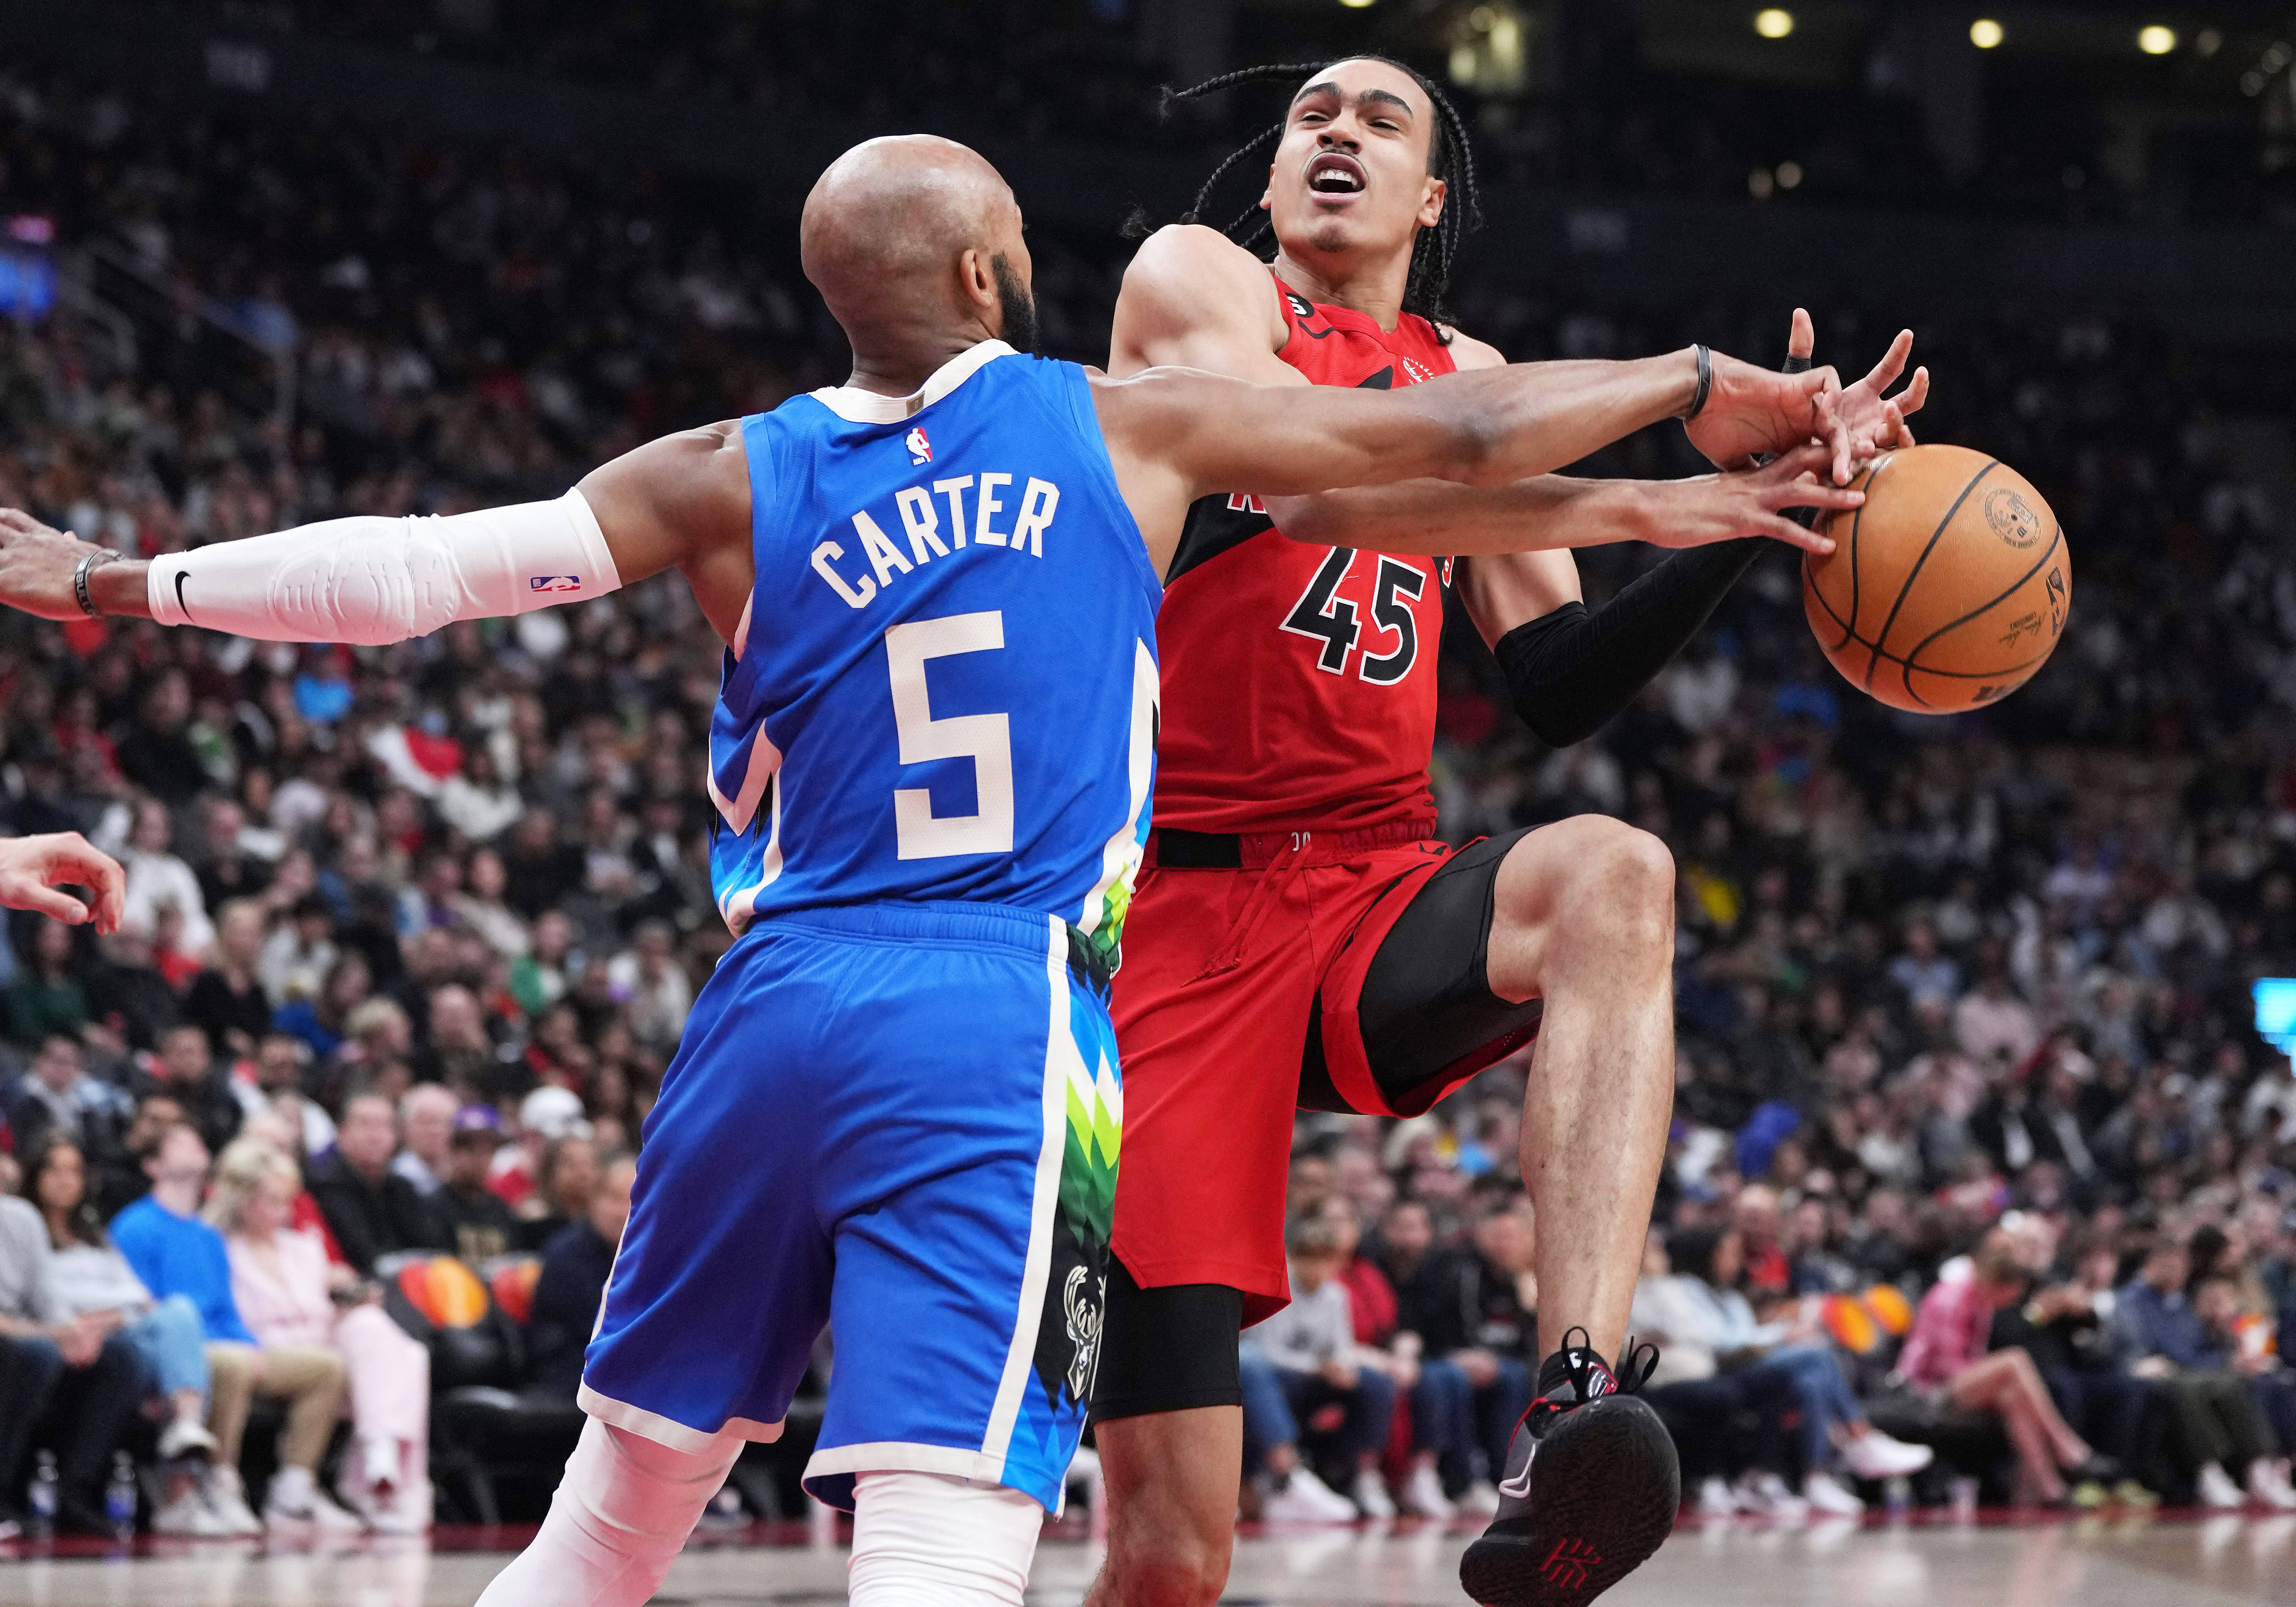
x: 1060, y: 1048
x: 668, y: 1430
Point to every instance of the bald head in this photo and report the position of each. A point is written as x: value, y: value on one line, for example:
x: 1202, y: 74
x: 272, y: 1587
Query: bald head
x: 915, y: 242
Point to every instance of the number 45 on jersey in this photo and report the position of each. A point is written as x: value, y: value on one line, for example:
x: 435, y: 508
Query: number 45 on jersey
x: 1323, y: 614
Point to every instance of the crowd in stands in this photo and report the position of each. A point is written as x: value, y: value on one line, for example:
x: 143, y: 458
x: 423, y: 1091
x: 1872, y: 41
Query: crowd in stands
x: 1980, y: 1170
x: 1607, y: 98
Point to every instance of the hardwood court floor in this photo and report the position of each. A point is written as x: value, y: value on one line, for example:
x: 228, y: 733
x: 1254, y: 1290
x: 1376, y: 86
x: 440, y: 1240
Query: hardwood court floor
x: 2218, y: 1562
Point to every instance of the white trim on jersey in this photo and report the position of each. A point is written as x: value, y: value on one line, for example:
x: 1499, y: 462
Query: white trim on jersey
x: 868, y: 407
x: 740, y: 908
x: 765, y: 763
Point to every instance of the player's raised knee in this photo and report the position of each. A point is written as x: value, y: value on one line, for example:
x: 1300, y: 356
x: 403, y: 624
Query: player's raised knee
x: 1623, y: 879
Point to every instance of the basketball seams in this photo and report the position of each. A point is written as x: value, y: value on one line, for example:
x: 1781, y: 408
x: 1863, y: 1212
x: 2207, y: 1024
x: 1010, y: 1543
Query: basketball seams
x: 1909, y: 663
x: 1874, y: 665
x: 1809, y: 579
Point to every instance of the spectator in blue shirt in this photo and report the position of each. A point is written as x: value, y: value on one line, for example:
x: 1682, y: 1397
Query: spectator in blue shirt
x: 2219, y: 1427
x: 175, y: 1252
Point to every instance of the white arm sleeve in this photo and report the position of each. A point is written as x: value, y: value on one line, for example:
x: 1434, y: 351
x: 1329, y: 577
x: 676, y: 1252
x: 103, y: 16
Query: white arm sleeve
x: 371, y: 581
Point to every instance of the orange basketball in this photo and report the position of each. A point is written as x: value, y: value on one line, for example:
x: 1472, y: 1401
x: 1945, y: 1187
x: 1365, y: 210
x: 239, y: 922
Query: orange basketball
x: 1948, y: 589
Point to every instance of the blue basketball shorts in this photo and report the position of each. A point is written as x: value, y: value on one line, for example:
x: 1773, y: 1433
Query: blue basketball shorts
x: 902, y: 1122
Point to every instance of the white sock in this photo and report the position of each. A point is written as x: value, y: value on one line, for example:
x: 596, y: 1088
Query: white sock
x: 927, y: 1540
x: 621, y: 1514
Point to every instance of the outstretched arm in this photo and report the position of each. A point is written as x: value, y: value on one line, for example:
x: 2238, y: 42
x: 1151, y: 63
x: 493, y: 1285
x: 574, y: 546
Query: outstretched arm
x: 682, y: 501
x: 1176, y: 434
x: 1551, y: 511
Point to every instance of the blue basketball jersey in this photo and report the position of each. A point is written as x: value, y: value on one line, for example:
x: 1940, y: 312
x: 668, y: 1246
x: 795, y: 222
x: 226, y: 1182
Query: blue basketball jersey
x: 944, y: 686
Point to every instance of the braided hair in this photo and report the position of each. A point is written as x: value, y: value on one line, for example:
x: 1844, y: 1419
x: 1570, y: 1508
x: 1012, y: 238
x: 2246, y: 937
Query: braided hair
x: 1427, y: 289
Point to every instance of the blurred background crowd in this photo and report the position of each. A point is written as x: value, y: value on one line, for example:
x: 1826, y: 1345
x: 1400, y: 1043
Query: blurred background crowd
x: 339, y: 1122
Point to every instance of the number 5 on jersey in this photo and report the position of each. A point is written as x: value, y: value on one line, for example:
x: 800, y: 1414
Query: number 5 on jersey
x: 984, y: 739
x: 1330, y: 619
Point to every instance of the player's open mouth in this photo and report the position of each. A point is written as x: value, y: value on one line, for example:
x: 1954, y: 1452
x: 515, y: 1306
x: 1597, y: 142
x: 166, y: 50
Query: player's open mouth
x: 1336, y: 173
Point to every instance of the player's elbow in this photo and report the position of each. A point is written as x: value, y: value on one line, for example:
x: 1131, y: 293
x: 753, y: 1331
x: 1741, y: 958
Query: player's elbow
x: 1557, y: 727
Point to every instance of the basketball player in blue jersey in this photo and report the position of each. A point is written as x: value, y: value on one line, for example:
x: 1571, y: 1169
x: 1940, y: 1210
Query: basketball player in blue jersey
x: 895, y: 1106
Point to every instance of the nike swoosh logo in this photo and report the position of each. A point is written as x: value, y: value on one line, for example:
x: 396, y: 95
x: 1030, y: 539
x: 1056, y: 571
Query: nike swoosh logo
x: 1519, y: 1486
x: 180, y: 597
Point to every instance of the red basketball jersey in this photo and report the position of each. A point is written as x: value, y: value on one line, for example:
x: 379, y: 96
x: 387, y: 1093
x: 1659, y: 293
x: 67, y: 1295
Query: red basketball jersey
x: 1299, y: 681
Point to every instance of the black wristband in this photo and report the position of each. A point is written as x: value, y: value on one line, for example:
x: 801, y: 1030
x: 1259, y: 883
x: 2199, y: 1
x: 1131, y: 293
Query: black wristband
x: 1705, y: 383
x: 87, y: 566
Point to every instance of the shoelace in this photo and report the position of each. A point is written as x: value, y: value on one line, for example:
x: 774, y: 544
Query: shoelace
x: 1636, y: 1362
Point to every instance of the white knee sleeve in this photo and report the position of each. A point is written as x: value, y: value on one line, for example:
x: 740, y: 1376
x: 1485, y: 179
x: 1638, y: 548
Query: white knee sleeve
x: 927, y: 1540
x: 372, y: 581
x: 622, y: 1511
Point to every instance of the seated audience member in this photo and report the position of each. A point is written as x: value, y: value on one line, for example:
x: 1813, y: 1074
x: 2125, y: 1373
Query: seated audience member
x: 279, y: 1075
x: 1300, y: 1361
x: 92, y: 1280
x: 1467, y: 1306
x: 85, y: 1384
x: 1441, y: 1413
x: 1701, y: 1308
x: 563, y: 1185
x: 157, y: 877
x: 119, y: 1187
x: 227, y: 1001
x: 2248, y: 1339
x: 129, y: 1000
x: 290, y: 1296
x: 426, y: 1121
x: 186, y: 1070
x: 321, y: 1020
x: 46, y: 995
x: 299, y: 956
x: 372, y: 1210
x: 56, y: 1096
x: 481, y: 1221
x: 175, y: 1252
x: 2064, y: 1328
x: 2220, y: 1427
x: 575, y: 1265
x: 1945, y: 1353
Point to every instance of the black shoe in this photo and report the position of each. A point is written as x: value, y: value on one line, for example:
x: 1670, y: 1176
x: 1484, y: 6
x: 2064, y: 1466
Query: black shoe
x: 1592, y: 1486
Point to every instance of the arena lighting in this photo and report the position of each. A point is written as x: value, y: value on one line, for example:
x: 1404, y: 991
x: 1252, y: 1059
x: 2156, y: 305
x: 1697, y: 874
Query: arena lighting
x: 1773, y: 23
x: 2208, y: 41
x: 1355, y: 5
x: 1789, y: 174
x: 1985, y: 33
x: 2275, y: 1012
x: 2154, y: 39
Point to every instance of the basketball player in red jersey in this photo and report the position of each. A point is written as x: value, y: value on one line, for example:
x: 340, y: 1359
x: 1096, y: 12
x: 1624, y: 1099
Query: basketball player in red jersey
x: 1301, y: 939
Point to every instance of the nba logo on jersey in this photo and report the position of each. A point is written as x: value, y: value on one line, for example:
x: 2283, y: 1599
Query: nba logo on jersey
x: 554, y: 583
x: 920, y: 449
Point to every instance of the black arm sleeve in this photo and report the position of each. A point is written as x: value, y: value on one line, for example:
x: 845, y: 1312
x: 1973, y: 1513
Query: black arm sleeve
x: 1571, y: 669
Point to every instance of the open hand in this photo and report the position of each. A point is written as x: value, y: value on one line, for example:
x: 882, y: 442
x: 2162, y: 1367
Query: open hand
x: 1873, y: 423
x: 32, y: 868
x: 1749, y: 502
x: 36, y: 565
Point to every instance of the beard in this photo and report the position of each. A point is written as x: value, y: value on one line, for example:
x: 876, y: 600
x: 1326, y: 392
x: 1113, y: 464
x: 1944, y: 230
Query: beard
x: 1018, y: 305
